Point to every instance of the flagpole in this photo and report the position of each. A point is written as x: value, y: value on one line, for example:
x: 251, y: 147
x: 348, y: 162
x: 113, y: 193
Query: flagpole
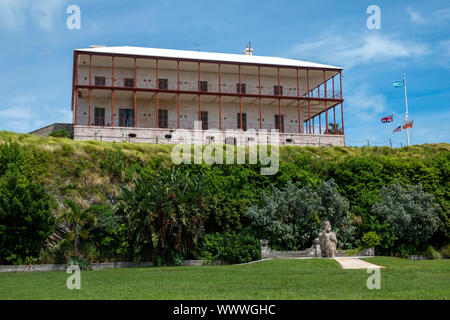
x: 406, y: 115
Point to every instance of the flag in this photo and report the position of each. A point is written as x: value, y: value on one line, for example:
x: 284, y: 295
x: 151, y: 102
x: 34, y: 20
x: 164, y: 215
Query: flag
x: 398, y: 84
x: 387, y: 119
x: 408, y: 125
x: 398, y: 129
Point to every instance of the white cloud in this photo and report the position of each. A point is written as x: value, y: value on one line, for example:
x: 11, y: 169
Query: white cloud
x: 364, y: 104
x: 415, y: 16
x: 442, y: 14
x: 16, y: 14
x: 358, y: 49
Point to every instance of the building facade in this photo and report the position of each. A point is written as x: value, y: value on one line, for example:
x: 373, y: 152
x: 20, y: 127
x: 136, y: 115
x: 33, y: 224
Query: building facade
x: 145, y: 94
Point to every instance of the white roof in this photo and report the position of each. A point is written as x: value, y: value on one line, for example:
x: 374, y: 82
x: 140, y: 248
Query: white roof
x: 200, y: 55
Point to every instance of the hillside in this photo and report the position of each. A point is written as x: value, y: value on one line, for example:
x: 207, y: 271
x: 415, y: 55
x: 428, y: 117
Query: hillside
x: 76, y: 169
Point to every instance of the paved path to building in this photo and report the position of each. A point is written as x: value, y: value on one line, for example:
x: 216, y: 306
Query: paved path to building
x: 355, y: 263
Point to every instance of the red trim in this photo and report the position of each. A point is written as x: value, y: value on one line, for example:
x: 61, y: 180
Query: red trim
x: 157, y: 90
x: 309, y: 102
x: 178, y: 95
x: 325, y: 95
x: 220, y: 99
x: 260, y: 105
x: 298, y: 105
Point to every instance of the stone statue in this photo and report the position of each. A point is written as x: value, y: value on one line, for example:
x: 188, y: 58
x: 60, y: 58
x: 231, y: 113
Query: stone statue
x: 328, y: 241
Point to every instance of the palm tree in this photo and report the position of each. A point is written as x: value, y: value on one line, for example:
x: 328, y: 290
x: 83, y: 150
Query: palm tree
x: 78, y: 220
x: 333, y: 130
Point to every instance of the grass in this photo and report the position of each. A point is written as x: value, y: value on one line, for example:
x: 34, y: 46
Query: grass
x: 274, y: 279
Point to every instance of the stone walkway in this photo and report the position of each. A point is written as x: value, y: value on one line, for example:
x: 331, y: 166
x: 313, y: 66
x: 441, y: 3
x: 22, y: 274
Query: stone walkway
x: 355, y: 263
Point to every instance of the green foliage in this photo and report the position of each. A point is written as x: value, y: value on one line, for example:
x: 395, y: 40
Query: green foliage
x: 114, y: 162
x: 78, y: 221
x: 83, y: 264
x: 165, y: 214
x: 432, y: 253
x: 25, y: 216
x: 370, y: 240
x: 61, y: 133
x: 290, y: 218
x: 445, y: 251
x: 410, y: 212
x: 231, y: 247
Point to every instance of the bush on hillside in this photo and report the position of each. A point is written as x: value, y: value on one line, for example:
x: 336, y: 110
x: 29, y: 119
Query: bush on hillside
x: 60, y: 133
x: 412, y: 214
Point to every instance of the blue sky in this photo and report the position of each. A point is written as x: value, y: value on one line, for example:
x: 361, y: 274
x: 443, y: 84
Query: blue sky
x: 37, y: 49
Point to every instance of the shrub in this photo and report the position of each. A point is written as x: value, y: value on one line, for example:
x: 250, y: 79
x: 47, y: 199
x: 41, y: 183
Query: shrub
x: 432, y: 253
x: 231, y: 247
x: 288, y: 218
x: 165, y: 214
x: 370, y: 240
x: 83, y: 264
x: 291, y: 218
x: 335, y: 208
x: 114, y: 162
x: 25, y: 218
x: 61, y: 133
x: 410, y: 212
x: 445, y: 251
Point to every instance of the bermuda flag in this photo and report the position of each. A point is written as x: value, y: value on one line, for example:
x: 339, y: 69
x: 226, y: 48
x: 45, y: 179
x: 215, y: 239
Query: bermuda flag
x: 398, y: 84
x: 387, y: 119
x: 408, y: 125
x: 398, y: 129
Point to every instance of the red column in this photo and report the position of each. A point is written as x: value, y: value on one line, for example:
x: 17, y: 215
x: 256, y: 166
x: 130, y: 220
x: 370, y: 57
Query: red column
x: 325, y: 95
x: 178, y: 93
x: 280, y: 126
x: 134, y: 82
x: 157, y: 90
x: 333, y: 87
x: 76, y: 88
x: 320, y: 124
x: 112, y: 93
x: 309, y: 103
x: 334, y: 118
x: 199, y: 98
x: 220, y: 100
x: 298, y: 104
x: 90, y: 84
x: 240, y: 97
x: 342, y: 108
x: 260, y: 106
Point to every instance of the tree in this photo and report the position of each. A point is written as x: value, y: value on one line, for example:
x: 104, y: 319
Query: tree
x: 411, y: 212
x: 334, y: 130
x: 25, y: 218
x: 78, y: 220
x: 166, y: 214
x: 288, y: 217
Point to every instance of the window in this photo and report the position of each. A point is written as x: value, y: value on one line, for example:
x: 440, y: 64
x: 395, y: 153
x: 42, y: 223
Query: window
x: 163, y: 118
x: 204, y: 118
x: 163, y: 84
x: 244, y: 121
x: 277, y: 92
x: 100, y: 81
x: 99, y: 116
x: 204, y: 86
x: 242, y: 88
x: 128, y: 82
x: 277, y: 122
x: 126, y: 117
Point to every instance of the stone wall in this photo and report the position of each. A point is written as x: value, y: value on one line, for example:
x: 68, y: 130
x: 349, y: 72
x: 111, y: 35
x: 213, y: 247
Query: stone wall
x: 170, y: 136
x: 45, y: 131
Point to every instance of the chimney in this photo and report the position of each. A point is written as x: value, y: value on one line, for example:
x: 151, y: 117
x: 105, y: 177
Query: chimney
x: 248, y: 49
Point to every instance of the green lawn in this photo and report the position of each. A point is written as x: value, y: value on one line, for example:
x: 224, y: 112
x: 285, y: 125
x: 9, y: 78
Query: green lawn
x: 274, y: 279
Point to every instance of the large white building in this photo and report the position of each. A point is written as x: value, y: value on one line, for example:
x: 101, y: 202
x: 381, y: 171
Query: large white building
x: 144, y: 94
